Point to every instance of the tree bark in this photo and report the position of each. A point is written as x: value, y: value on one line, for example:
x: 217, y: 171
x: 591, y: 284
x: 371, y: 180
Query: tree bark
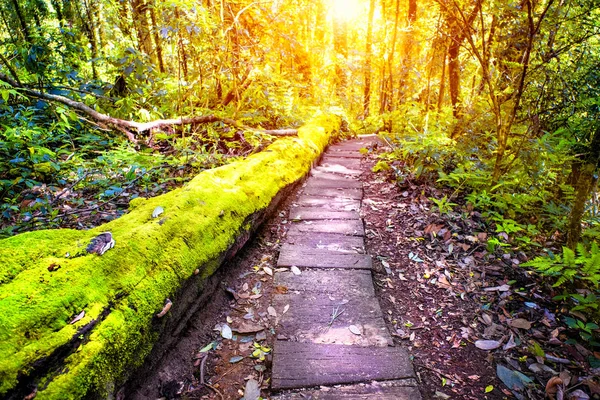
x: 24, y: 27
x: 140, y: 21
x: 340, y: 45
x: 586, y: 181
x: 157, y: 42
x: 368, y: 55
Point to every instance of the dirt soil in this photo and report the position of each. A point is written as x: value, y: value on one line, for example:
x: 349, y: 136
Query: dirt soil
x: 439, y: 286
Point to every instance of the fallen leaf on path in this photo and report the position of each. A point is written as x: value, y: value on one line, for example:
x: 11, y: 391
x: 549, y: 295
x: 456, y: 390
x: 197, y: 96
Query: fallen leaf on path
x: 511, y: 343
x: 226, y: 331
x: 578, y: 395
x: 78, y: 317
x: 286, y: 308
x: 248, y: 327
x: 268, y: 271
x: 281, y: 289
x: 252, y: 390
x: 487, y: 344
x: 552, y: 385
x: 272, y: 312
x: 295, y: 270
x: 235, y: 359
x: 503, y: 288
x: 514, y: 380
x: 157, y: 211
x: 355, y: 329
x: 520, y: 323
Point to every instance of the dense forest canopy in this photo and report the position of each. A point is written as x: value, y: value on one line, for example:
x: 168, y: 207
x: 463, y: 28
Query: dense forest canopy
x: 107, y: 100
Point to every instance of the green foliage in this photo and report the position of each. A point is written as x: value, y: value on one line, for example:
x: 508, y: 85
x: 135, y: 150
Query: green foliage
x: 583, y: 265
x: 443, y: 205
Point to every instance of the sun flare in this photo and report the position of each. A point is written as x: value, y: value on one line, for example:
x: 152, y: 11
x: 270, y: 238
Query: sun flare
x: 347, y: 10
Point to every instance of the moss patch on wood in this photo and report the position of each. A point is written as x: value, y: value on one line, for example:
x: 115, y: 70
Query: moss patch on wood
x: 122, y: 290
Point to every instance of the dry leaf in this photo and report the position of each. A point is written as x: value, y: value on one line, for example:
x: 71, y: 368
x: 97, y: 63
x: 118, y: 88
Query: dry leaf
x: 520, y: 323
x: 552, y: 385
x: 355, y: 329
x: 78, y: 317
x: 295, y: 270
x: 487, y: 344
x: 272, y: 311
x: 503, y: 288
x: 286, y: 308
x: 268, y: 271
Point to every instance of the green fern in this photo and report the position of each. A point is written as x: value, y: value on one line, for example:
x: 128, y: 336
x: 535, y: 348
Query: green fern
x: 585, y: 265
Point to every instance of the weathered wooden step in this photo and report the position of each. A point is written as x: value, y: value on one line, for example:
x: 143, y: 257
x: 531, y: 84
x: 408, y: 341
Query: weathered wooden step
x: 313, y: 296
x: 302, y: 256
x: 340, y: 193
x: 334, y: 204
x: 317, y: 173
x: 328, y: 241
x: 308, y: 317
x: 340, y: 182
x: 338, y: 169
x: 388, y: 390
x: 353, y: 145
x: 343, y: 227
x: 297, y: 365
x: 345, y: 162
x: 317, y: 213
x: 344, y: 152
x: 336, y: 284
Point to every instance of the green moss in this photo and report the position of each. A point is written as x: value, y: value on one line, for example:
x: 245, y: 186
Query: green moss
x: 151, y: 260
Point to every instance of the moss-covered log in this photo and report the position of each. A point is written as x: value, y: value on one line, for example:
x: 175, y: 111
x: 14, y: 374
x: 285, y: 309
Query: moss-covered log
x: 47, y: 277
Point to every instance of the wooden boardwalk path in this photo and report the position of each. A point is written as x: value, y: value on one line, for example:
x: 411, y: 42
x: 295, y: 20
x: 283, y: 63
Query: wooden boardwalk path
x: 332, y: 343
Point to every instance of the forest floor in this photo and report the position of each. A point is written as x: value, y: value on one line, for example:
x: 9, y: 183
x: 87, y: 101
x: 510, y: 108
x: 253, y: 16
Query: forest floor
x: 476, y: 324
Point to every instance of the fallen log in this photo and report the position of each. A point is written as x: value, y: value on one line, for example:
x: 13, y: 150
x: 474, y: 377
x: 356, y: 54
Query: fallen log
x: 129, y: 127
x: 77, y: 325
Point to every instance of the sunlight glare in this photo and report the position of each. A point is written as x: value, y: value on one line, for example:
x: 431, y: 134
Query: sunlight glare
x: 346, y: 10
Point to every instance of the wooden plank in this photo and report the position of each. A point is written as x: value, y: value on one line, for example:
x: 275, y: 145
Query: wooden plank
x: 337, y: 284
x: 334, y: 204
x: 339, y: 182
x: 297, y: 365
x: 329, y: 241
x: 313, y: 295
x: 338, y: 169
x: 309, y: 317
x: 395, y: 390
x: 345, y: 162
x: 343, y: 227
x: 317, y: 173
x: 302, y: 256
x: 354, y: 145
x: 344, y: 152
x: 317, y: 213
x: 356, y: 194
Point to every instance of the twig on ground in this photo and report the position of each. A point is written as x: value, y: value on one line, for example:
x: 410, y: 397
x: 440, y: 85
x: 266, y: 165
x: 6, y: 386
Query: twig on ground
x: 334, y: 315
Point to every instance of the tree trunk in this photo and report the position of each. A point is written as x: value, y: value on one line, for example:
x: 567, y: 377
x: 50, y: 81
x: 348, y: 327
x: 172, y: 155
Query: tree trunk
x: 408, y: 45
x: 368, y: 55
x: 24, y: 27
x: 157, y: 42
x: 583, y: 188
x: 442, y: 81
x: 340, y: 45
x: 454, y: 75
x: 87, y: 25
x: 140, y: 21
x: 391, y: 60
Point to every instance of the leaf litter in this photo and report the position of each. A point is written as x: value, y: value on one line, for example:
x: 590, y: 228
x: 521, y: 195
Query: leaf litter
x: 464, y: 311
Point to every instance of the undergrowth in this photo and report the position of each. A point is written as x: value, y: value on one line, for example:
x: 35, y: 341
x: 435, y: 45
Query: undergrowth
x: 528, y: 207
